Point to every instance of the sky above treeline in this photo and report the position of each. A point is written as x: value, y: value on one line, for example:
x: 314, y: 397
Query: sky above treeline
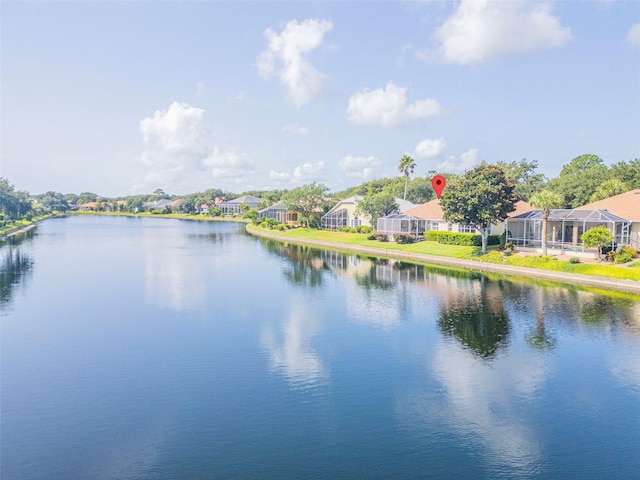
x: 125, y: 97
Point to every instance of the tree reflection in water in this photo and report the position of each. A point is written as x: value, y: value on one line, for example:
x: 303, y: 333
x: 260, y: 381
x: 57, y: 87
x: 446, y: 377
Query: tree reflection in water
x: 16, y: 266
x: 476, y: 318
x: 306, y: 266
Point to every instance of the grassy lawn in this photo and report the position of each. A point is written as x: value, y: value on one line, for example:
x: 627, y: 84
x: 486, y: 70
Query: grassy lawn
x: 429, y: 248
x: 551, y: 263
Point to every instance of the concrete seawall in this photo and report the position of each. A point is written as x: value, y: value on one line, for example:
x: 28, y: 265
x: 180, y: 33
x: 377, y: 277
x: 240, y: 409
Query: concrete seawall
x: 626, y: 286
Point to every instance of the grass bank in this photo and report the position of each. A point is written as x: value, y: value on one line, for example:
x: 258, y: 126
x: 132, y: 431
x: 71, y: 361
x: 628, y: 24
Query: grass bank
x: 20, y: 225
x: 621, y: 278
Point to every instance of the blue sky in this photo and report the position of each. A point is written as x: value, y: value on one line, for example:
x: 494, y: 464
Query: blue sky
x: 126, y: 97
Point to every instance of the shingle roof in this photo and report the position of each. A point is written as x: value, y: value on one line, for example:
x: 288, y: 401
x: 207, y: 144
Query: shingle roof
x: 433, y: 211
x: 245, y: 199
x: 625, y: 205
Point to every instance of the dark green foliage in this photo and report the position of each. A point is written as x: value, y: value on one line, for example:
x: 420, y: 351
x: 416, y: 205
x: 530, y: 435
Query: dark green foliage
x: 382, y: 237
x: 404, y: 239
x: 574, y: 260
x: 464, y: 239
x: 579, y: 179
x: 524, y: 177
x: 481, y: 197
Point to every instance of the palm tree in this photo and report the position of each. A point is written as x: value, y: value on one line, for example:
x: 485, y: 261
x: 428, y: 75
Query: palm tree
x: 546, y: 200
x: 406, y: 166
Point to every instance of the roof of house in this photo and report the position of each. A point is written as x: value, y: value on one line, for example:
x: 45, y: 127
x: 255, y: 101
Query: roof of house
x: 625, y: 205
x: 573, y: 214
x: 245, y: 199
x: 403, y: 204
x: 89, y: 205
x: 275, y: 206
x: 433, y: 211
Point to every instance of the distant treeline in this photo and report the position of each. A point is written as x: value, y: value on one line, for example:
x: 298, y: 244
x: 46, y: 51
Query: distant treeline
x: 584, y: 179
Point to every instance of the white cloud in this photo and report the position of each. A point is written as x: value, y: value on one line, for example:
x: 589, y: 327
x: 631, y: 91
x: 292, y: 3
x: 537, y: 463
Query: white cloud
x: 280, y: 177
x: 295, y: 129
x: 301, y: 79
x: 241, y: 96
x: 633, y: 37
x: 459, y: 164
x: 306, y: 172
x: 359, y: 167
x: 480, y: 30
x: 388, y: 107
x: 430, y: 148
x: 179, y: 148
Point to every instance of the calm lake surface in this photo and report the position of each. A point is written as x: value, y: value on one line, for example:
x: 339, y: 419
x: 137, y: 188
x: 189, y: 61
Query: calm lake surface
x: 161, y: 349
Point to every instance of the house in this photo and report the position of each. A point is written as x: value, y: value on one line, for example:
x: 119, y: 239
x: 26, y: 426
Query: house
x: 87, y: 207
x: 620, y: 214
x: 627, y: 206
x: 429, y: 216
x: 232, y: 207
x: 281, y: 213
x: 564, y: 228
x: 343, y: 213
x: 156, y: 205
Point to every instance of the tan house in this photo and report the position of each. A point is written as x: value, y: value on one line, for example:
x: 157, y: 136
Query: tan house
x: 620, y: 214
x: 343, y: 213
x: 429, y: 216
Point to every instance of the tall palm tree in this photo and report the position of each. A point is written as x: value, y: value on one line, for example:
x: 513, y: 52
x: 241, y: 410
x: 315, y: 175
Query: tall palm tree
x: 546, y: 200
x: 406, y: 166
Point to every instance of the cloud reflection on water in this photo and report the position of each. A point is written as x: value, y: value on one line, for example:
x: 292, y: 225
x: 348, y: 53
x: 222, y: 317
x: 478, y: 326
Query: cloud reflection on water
x: 290, y: 351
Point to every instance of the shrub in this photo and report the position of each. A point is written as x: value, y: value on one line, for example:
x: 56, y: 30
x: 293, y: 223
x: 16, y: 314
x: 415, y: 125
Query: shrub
x: 466, y: 239
x: 371, y: 237
x: 507, y: 252
x: 574, y: 260
x: 271, y: 223
x: 280, y: 227
x: 625, y: 255
x: 382, y: 237
x: 364, y: 229
x: 404, y: 239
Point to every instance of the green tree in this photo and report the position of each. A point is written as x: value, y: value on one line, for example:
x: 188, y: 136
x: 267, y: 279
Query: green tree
x: 374, y: 206
x: 420, y: 190
x: 598, y: 237
x: 609, y: 188
x: 627, y: 172
x: 524, y: 177
x: 243, y: 207
x: 308, y: 200
x: 53, y: 201
x: 406, y: 166
x: 546, y: 200
x: 579, y: 179
x: 251, y: 214
x: 480, y: 197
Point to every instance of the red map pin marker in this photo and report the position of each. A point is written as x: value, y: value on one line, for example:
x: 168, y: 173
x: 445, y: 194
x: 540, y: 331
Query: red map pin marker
x: 438, y: 183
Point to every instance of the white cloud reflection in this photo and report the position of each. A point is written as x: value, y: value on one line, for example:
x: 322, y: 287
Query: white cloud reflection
x: 292, y: 355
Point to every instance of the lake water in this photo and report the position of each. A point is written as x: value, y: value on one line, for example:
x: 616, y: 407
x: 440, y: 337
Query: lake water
x: 164, y: 349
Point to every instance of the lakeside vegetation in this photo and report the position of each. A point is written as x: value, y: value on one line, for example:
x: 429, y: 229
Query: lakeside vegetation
x: 630, y: 272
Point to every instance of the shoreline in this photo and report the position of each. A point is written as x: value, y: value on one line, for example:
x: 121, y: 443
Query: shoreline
x: 625, y: 286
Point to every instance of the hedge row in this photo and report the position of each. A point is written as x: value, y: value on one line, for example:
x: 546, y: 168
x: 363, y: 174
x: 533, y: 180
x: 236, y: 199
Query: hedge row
x: 466, y: 239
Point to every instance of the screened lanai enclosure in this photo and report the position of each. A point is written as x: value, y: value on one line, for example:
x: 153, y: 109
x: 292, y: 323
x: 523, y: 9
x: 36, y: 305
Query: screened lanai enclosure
x: 401, y: 224
x: 335, y: 220
x: 564, y: 228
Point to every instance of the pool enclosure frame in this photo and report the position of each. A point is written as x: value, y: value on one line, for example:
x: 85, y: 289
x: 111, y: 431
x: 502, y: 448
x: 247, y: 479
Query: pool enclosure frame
x: 564, y: 228
x: 335, y: 220
x: 401, y: 224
